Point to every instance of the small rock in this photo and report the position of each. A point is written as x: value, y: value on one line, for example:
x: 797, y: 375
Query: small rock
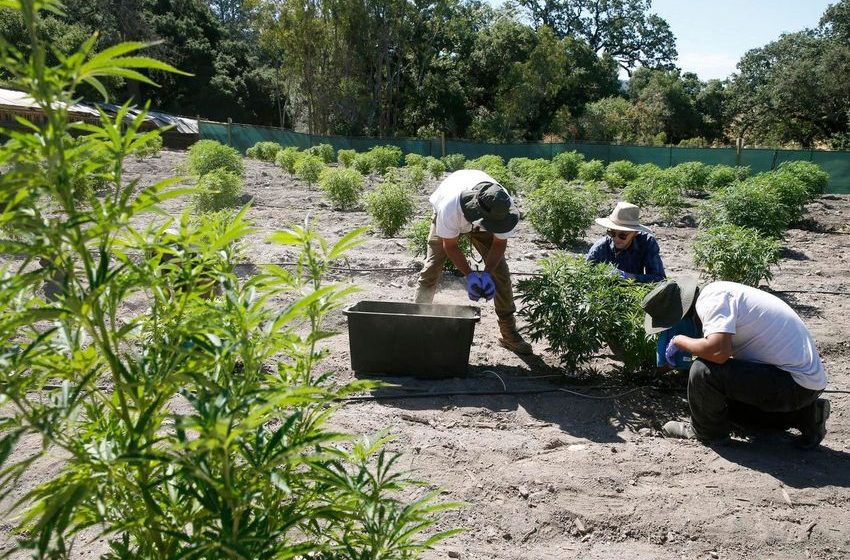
x: 523, y: 492
x: 454, y: 554
x: 645, y: 432
x: 713, y: 554
x: 580, y: 525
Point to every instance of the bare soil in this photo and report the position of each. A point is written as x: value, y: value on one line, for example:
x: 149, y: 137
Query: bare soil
x: 578, y: 470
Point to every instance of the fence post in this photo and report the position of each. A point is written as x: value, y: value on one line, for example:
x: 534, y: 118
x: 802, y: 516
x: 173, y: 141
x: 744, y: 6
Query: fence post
x: 443, y: 144
x: 773, y: 163
x: 739, y: 145
x: 229, y: 132
x: 670, y: 156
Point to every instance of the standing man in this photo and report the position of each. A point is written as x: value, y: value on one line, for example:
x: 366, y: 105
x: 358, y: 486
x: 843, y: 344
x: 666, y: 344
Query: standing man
x: 470, y: 202
x: 629, y: 246
x: 756, y: 362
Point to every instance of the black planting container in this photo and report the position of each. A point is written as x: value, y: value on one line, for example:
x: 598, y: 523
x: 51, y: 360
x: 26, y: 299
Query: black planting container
x: 416, y: 339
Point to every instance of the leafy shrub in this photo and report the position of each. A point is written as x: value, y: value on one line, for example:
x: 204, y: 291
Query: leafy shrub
x: 792, y: 192
x: 246, y: 465
x: 453, y: 162
x: 308, y: 168
x: 504, y: 177
x: 346, y: 157
x: 323, y: 151
x: 746, y: 204
x: 416, y: 176
x: 385, y: 157
x: 809, y: 174
x: 734, y: 253
x: 217, y: 190
x: 567, y: 164
x: 619, y: 173
x: 414, y: 160
x: 593, y: 170
x: 342, y: 186
x: 638, y: 192
x: 364, y: 163
x: 435, y: 167
x: 287, y: 158
x: 667, y: 194
x: 485, y: 162
x: 720, y: 177
x: 561, y: 212
x: 149, y: 145
x: 205, y: 155
x: 695, y: 142
x: 417, y: 242
x: 390, y: 206
x: 577, y: 306
x: 532, y: 172
x: 264, y: 151
x: 647, y: 170
x: 692, y: 177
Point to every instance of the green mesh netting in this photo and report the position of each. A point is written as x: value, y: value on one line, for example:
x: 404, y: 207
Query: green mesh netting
x: 837, y: 164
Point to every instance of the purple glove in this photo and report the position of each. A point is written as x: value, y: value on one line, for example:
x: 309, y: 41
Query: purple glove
x: 623, y: 274
x: 670, y: 353
x: 474, y: 287
x: 488, y: 287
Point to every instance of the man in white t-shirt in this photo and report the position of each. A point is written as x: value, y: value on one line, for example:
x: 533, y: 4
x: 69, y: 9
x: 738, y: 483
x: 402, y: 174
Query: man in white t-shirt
x: 756, y: 362
x: 470, y: 202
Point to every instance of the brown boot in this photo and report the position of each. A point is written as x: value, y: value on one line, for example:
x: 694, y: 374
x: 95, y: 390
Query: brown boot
x: 511, y: 339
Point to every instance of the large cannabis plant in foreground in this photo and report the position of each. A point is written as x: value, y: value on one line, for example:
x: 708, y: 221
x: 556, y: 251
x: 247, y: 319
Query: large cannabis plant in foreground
x: 182, y: 401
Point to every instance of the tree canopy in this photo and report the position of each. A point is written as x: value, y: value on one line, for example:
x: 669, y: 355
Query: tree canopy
x: 528, y: 70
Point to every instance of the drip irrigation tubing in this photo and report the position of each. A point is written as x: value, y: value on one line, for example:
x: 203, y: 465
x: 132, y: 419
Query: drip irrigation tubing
x: 535, y: 274
x: 428, y: 394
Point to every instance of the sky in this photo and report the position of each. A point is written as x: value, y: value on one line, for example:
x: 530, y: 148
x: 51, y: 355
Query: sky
x: 712, y: 35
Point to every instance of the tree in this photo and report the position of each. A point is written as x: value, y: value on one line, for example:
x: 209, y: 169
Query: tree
x: 793, y: 90
x: 558, y: 73
x: 662, y: 104
x: 609, y: 120
x: 624, y: 29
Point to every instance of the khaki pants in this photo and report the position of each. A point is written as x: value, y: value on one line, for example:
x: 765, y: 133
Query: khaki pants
x: 432, y: 271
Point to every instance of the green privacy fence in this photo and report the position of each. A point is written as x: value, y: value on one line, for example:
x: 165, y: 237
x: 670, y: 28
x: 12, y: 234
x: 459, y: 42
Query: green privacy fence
x: 837, y: 164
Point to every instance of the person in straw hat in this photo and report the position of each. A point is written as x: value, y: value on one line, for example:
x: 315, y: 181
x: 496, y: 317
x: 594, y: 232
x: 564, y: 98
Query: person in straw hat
x: 470, y: 202
x: 755, y: 364
x: 629, y: 246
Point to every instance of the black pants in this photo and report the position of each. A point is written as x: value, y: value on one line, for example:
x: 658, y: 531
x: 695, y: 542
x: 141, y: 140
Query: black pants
x: 748, y: 394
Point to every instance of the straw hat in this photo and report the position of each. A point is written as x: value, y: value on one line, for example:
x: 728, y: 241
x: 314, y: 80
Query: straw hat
x: 624, y: 217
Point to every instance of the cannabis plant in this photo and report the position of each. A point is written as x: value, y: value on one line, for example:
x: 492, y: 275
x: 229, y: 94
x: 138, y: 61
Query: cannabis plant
x: 578, y: 307
x: 734, y: 253
x: 390, y: 206
x: 183, y: 411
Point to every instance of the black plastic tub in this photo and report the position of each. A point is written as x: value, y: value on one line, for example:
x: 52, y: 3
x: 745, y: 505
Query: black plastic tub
x: 416, y: 339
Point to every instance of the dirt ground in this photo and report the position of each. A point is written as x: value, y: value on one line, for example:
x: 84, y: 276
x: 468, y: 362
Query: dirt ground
x: 578, y: 470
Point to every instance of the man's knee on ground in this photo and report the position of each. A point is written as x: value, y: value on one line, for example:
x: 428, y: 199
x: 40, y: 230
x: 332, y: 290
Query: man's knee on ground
x: 699, y: 372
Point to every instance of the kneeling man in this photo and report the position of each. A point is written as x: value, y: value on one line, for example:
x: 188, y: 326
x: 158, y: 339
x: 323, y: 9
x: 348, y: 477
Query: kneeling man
x: 756, y: 362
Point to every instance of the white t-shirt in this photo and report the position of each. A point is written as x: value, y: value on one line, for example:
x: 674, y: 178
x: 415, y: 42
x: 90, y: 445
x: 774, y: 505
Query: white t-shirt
x: 765, y: 330
x: 450, y: 221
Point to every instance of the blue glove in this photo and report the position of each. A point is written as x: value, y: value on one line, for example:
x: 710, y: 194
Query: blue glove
x: 488, y: 287
x: 623, y: 274
x: 474, y: 287
x: 670, y: 353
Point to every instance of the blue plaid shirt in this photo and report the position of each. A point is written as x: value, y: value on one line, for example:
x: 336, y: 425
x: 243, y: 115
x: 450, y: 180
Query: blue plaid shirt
x: 642, y: 258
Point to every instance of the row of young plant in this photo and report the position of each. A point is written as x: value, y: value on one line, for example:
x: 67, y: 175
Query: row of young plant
x: 579, y: 307
x: 576, y: 306
x: 564, y: 195
x: 193, y: 426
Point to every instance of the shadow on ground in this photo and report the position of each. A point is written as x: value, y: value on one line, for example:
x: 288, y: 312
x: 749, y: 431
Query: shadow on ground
x: 773, y: 453
x: 596, y: 408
